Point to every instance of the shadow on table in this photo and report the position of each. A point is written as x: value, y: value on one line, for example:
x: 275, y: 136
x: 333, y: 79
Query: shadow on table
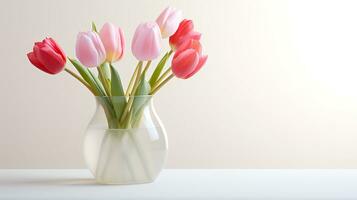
x: 54, y: 182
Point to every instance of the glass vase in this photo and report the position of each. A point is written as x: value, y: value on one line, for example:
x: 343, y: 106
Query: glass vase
x: 128, y: 148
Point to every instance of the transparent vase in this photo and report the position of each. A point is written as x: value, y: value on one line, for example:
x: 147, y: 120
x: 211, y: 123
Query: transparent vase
x: 125, y: 150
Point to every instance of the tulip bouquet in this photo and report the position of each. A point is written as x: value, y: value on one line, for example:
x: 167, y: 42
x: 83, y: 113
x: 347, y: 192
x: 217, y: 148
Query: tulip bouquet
x: 101, y: 49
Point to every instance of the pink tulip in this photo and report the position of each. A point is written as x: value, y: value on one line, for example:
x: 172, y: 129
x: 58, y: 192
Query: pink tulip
x: 188, y: 59
x: 89, y: 49
x: 113, y: 41
x: 146, y: 44
x: 169, y: 21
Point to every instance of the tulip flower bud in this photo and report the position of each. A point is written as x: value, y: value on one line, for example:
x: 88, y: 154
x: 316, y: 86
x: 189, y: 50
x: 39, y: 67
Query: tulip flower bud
x: 169, y: 21
x: 89, y: 49
x: 113, y: 41
x: 188, y: 59
x: 146, y: 43
x: 184, y: 33
x: 48, y: 56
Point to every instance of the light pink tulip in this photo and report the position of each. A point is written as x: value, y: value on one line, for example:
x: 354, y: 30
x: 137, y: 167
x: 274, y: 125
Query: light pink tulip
x: 113, y: 41
x: 146, y: 44
x: 169, y: 21
x: 89, y: 49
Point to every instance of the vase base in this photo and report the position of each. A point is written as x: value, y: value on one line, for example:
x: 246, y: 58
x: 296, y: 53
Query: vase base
x: 124, y: 182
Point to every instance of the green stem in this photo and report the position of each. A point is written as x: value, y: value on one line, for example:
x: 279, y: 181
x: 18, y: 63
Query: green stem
x: 161, y: 84
x: 162, y: 77
x: 80, y: 79
x: 146, y: 67
x: 132, y: 79
x: 170, y: 52
x: 156, y: 73
x: 104, y: 81
x: 131, y: 97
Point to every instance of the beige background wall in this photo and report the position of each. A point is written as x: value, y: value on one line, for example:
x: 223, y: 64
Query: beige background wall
x: 279, y: 89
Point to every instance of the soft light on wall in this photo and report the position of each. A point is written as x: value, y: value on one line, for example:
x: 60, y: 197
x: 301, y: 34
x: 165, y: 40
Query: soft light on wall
x: 278, y: 90
x: 324, y: 33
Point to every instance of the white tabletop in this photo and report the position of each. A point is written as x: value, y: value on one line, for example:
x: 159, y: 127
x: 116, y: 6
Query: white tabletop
x: 183, y: 184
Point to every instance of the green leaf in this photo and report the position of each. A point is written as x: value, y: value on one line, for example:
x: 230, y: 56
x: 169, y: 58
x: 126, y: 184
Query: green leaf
x: 94, y: 27
x: 85, y: 74
x: 97, y: 83
x: 118, y: 98
x: 140, y: 98
x: 116, y: 85
x: 107, y: 101
x: 98, y: 88
x: 143, y: 88
x: 104, y: 79
x: 81, y: 70
x: 105, y: 67
x: 160, y: 66
x: 89, y: 77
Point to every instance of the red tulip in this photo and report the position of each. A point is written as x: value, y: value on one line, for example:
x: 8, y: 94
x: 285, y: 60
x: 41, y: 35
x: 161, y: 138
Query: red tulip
x: 184, y: 32
x: 47, y: 56
x: 188, y: 59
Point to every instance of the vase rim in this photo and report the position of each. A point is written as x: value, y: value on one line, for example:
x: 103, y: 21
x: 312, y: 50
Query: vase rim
x: 123, y: 129
x: 125, y: 96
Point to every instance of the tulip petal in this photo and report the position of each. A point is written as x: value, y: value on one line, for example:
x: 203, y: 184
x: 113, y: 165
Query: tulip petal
x: 146, y: 43
x: 136, y: 44
x: 200, y: 64
x: 172, y: 24
x: 185, y: 27
x: 163, y: 17
x: 122, y: 43
x: 47, y: 56
x: 184, y: 63
x: 109, y: 37
x: 55, y: 47
x: 89, y: 49
x: 169, y: 21
x: 86, y: 51
x: 98, y: 44
x: 50, y: 59
x: 189, y: 36
x: 113, y: 41
x: 189, y: 44
x: 32, y: 58
x: 155, y: 43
